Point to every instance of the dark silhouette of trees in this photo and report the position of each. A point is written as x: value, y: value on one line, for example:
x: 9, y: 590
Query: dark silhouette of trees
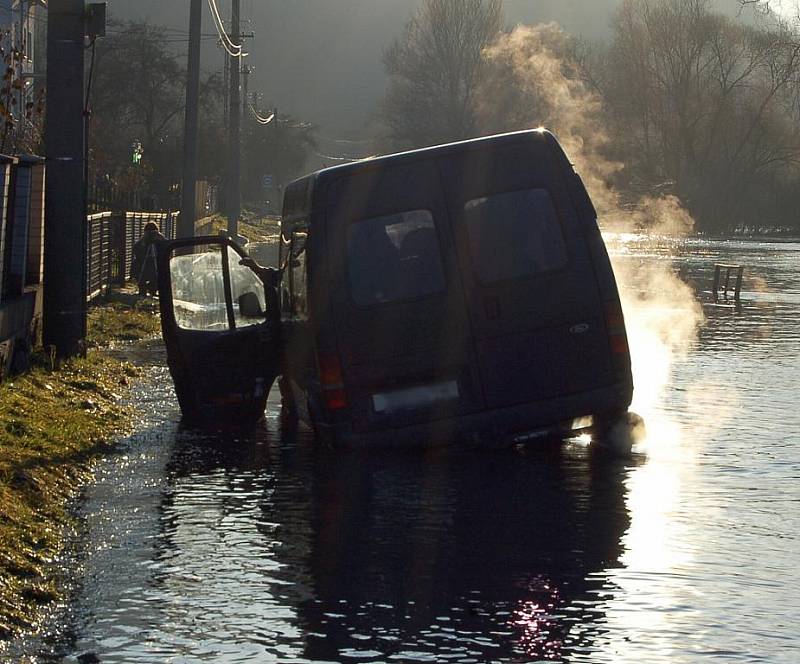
x: 703, y: 102
x: 434, y: 71
x: 138, y: 98
x: 280, y: 149
x: 680, y: 102
x: 138, y: 102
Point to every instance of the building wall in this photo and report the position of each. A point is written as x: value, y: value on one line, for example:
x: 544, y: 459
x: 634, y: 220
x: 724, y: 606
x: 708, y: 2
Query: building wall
x: 29, y: 33
x: 6, y: 19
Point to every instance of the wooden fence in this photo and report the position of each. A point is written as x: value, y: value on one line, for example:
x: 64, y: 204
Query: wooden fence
x: 110, y: 237
x: 22, y: 181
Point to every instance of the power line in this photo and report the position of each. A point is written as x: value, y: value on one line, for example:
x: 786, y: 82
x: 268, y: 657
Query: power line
x: 331, y: 158
x: 260, y: 119
x: 234, y: 50
x: 327, y: 139
x: 168, y: 34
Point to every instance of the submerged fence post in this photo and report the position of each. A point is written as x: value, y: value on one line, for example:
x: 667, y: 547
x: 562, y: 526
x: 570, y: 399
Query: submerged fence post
x: 725, y: 288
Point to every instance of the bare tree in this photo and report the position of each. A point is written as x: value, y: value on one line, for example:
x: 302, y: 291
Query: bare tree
x: 434, y: 70
x: 705, y: 101
x: 138, y: 99
x: 682, y: 101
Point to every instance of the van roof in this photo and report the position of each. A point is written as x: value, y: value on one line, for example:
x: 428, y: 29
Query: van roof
x: 297, y: 197
x: 446, y: 148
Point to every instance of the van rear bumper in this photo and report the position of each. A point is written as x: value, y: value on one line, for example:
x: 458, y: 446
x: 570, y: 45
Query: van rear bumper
x: 527, y: 422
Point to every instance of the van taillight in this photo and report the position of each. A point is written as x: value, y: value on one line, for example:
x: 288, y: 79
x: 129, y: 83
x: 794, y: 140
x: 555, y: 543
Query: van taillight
x: 619, y: 344
x: 615, y: 323
x: 330, y: 378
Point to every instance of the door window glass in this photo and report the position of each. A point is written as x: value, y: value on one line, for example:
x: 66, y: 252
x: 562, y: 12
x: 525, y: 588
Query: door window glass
x: 198, y: 289
x: 298, y: 282
x: 514, y: 235
x: 249, y: 299
x: 395, y: 257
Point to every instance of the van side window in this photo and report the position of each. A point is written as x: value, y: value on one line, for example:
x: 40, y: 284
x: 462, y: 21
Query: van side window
x: 298, y: 278
x: 284, y: 248
x: 393, y: 258
x: 513, y: 235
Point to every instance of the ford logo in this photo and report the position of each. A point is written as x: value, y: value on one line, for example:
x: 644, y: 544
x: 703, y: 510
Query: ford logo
x: 579, y: 329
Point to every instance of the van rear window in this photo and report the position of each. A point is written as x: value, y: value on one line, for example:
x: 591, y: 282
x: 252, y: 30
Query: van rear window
x: 393, y: 258
x: 513, y: 235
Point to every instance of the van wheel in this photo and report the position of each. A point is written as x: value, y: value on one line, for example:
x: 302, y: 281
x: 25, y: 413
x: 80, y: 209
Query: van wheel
x: 259, y: 409
x: 618, y: 432
x: 322, y: 436
x: 190, y: 411
x: 288, y: 405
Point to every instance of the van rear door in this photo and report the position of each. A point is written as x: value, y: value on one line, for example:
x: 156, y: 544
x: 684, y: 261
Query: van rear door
x: 401, y: 320
x: 529, y: 283
x: 220, y: 330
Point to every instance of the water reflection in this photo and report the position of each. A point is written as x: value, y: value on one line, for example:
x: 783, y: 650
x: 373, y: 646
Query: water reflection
x: 368, y: 557
x: 482, y: 556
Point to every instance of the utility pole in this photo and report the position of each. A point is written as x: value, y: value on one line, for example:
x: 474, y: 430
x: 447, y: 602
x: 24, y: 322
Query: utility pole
x: 21, y: 42
x: 246, y: 88
x: 234, y: 136
x: 22, y: 45
x: 65, y: 232
x: 226, y: 85
x: 189, y: 189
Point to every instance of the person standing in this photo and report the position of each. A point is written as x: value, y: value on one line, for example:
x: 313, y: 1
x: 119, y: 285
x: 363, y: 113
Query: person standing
x: 143, y: 264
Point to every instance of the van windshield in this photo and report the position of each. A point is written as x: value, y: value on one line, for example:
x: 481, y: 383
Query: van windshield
x: 393, y: 258
x: 513, y: 235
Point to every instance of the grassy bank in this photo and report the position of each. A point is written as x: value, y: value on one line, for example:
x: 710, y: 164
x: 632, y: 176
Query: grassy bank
x: 53, y: 424
x: 254, y: 227
x: 117, y: 321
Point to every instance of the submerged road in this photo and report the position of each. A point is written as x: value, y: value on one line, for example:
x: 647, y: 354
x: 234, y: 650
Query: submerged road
x: 231, y: 548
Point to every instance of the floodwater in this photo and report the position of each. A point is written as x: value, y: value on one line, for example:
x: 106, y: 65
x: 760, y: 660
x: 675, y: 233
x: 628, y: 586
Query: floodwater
x: 261, y: 548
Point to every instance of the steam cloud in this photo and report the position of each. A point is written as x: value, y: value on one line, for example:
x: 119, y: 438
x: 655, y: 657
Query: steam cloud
x: 528, y: 71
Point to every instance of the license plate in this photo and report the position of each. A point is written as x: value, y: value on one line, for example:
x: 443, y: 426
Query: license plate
x: 415, y: 397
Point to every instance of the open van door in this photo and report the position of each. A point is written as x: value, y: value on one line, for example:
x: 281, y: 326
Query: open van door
x: 221, y: 330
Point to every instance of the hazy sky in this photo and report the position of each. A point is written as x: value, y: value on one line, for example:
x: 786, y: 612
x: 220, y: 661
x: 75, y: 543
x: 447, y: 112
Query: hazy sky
x: 320, y: 60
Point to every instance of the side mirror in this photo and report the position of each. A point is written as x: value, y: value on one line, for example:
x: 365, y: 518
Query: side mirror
x: 249, y: 306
